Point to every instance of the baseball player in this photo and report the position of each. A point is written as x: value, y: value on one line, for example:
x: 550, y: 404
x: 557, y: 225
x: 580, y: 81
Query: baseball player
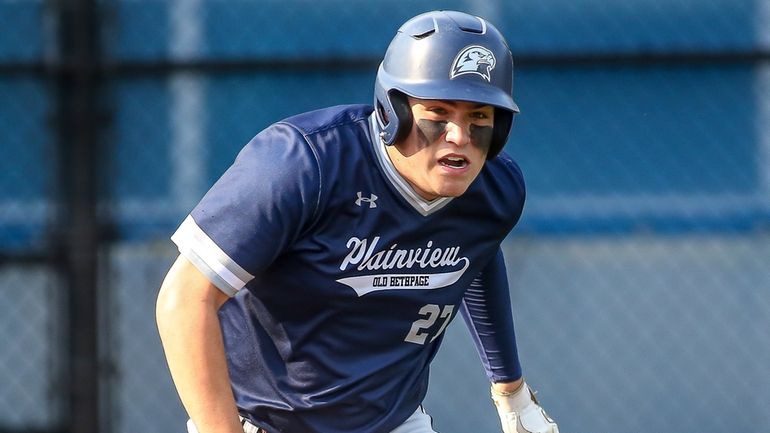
x: 317, y: 276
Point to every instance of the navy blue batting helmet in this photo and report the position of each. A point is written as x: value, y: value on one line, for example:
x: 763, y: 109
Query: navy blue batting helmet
x: 445, y: 55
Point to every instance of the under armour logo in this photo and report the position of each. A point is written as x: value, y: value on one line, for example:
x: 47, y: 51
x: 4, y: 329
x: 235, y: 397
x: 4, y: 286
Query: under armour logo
x: 371, y: 199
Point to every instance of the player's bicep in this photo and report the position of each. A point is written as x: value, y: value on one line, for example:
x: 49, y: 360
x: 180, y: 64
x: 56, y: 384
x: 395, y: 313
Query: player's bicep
x: 185, y: 284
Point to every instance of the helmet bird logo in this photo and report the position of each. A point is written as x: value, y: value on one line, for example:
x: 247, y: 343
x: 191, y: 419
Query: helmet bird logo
x: 474, y: 59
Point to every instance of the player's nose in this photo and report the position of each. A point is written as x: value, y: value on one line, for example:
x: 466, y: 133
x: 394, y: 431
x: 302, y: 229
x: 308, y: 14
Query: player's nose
x: 458, y: 133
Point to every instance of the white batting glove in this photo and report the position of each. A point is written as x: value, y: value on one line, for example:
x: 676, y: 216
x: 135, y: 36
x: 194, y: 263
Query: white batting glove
x: 521, y: 413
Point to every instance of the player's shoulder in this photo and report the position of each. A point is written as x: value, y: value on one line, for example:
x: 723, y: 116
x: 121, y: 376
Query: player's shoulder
x: 500, y: 186
x: 323, y: 119
x: 315, y: 134
x: 503, y: 169
x: 338, y: 136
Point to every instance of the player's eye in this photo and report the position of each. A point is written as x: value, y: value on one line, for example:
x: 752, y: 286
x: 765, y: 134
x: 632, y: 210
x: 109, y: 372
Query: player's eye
x: 441, y: 111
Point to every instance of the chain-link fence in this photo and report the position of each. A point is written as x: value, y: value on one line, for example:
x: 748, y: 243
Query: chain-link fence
x: 640, y: 271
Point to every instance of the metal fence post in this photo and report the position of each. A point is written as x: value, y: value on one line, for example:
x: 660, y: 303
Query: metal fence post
x: 78, y: 92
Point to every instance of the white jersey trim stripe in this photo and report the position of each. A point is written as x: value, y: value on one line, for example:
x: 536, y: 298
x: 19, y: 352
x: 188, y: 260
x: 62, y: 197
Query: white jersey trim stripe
x: 206, y: 270
x: 424, y: 207
x: 206, y: 255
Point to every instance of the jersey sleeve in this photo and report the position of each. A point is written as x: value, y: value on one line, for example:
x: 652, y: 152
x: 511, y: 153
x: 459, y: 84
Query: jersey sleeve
x: 259, y: 206
x: 486, y: 309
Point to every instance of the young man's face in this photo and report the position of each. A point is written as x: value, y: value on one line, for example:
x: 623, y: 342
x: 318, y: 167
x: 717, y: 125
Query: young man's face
x: 446, y: 147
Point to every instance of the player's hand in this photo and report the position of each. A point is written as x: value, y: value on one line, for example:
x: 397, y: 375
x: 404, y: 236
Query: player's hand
x: 521, y: 413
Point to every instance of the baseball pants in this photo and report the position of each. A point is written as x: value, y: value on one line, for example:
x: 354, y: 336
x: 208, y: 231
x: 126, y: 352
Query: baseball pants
x: 418, y: 422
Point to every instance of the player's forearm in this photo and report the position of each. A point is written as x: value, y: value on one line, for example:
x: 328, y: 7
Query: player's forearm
x: 190, y: 332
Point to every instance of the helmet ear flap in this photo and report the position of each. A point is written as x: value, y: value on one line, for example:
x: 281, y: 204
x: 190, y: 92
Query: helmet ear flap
x: 394, y: 114
x: 503, y: 124
x: 403, y: 113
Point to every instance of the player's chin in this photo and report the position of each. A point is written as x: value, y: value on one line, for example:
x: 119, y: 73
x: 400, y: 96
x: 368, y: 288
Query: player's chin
x: 452, y: 189
x: 454, y: 185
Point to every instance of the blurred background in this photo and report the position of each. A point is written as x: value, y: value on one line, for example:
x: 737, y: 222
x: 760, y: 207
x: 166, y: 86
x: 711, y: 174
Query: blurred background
x: 640, y: 271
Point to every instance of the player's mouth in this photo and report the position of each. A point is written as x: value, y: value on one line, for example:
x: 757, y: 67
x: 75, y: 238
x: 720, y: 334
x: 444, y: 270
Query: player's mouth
x: 454, y: 162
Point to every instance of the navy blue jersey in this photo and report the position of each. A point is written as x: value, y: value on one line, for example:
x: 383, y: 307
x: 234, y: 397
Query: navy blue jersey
x: 343, y: 278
